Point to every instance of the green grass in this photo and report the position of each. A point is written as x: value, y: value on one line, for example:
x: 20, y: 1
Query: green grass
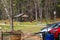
x: 24, y: 26
x: 21, y: 26
x: 25, y: 23
x: 28, y: 28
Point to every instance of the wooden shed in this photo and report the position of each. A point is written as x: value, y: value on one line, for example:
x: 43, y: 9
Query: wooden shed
x: 22, y: 16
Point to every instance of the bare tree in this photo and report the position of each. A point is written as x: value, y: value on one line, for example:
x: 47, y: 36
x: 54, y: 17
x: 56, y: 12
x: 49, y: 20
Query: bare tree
x: 11, y: 13
x: 7, y: 12
x: 6, y: 9
x: 40, y: 10
x: 35, y: 3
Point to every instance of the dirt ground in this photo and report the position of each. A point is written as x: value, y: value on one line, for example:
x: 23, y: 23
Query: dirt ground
x: 23, y: 36
x: 32, y: 38
x: 29, y: 36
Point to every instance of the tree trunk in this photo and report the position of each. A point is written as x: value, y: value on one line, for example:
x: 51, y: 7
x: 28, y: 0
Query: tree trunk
x: 46, y: 11
x: 40, y: 10
x: 7, y: 12
x: 11, y: 13
x: 35, y: 3
x: 6, y: 9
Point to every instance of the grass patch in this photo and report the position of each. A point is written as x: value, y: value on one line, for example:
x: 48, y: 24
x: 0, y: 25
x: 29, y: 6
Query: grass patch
x: 23, y: 28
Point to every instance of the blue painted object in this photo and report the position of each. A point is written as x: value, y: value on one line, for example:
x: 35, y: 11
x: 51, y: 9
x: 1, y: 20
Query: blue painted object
x: 49, y: 37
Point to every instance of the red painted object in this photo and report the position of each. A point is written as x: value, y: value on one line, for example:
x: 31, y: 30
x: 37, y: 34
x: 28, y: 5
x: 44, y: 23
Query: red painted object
x: 55, y: 31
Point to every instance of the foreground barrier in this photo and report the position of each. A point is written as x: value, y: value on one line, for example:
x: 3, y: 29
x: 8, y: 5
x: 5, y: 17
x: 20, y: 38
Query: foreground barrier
x: 11, y: 35
x: 18, y: 35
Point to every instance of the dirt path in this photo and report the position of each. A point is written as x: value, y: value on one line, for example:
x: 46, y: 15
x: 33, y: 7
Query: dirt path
x: 29, y: 36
